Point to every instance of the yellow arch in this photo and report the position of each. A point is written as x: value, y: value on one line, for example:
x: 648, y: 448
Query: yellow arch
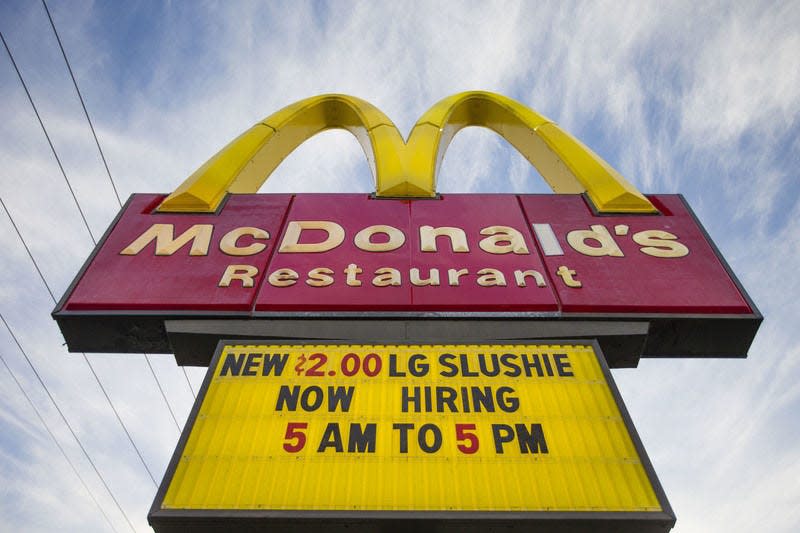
x: 245, y: 164
x: 568, y: 166
x: 407, y: 169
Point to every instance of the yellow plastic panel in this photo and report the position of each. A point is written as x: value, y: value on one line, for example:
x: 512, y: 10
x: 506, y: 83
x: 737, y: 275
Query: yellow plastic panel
x: 407, y: 169
x: 553, y: 438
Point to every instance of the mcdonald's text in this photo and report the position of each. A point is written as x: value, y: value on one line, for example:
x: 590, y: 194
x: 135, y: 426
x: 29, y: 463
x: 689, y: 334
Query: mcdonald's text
x: 597, y: 241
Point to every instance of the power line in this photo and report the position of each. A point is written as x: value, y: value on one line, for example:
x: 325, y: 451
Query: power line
x: 52, y: 296
x: 91, y: 235
x: 80, y: 97
x: 36, y: 266
x: 188, y: 382
x: 161, y: 390
x: 47, y: 136
x: 55, y: 440
x: 119, y: 419
x: 89, y: 364
x: 110, y: 179
x: 64, y: 418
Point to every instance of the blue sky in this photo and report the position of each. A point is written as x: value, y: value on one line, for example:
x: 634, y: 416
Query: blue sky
x: 701, y: 100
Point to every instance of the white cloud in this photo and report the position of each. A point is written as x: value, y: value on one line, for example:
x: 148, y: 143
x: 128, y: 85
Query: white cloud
x: 745, y: 77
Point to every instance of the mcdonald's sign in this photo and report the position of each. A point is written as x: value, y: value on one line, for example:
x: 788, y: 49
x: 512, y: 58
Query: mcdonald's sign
x: 176, y: 273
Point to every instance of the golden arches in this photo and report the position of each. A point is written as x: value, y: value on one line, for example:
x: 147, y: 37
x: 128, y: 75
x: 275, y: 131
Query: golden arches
x: 245, y: 164
x: 406, y: 169
x: 566, y: 164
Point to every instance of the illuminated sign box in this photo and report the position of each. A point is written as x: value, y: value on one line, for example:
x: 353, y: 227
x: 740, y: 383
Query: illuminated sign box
x: 467, y: 267
x: 419, y: 436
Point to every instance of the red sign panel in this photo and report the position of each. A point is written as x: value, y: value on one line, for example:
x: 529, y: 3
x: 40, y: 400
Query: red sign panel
x: 266, y: 255
x: 439, y: 265
x: 634, y: 263
x: 185, y: 278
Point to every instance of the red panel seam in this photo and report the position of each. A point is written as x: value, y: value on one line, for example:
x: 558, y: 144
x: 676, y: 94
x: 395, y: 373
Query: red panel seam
x: 539, y: 253
x: 272, y: 252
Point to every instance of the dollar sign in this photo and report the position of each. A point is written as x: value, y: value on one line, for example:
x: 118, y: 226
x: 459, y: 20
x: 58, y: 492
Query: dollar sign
x: 299, y: 366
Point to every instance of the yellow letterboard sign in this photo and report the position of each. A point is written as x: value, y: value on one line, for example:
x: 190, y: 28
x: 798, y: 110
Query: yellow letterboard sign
x: 403, y: 429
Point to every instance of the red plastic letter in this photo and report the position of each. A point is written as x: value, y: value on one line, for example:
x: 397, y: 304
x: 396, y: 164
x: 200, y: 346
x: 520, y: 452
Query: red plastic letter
x: 471, y: 438
x: 294, y: 431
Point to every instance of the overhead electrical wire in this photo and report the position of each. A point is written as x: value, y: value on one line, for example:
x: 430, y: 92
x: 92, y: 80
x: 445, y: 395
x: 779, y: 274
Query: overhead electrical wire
x: 53, y: 437
x: 66, y: 422
x: 52, y: 295
x: 25, y: 244
x: 161, y: 390
x: 188, y: 382
x: 91, y: 235
x: 47, y: 136
x: 30, y: 363
x: 119, y: 419
x: 108, y: 173
x: 83, y: 105
x: 44, y: 386
x: 88, y: 363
